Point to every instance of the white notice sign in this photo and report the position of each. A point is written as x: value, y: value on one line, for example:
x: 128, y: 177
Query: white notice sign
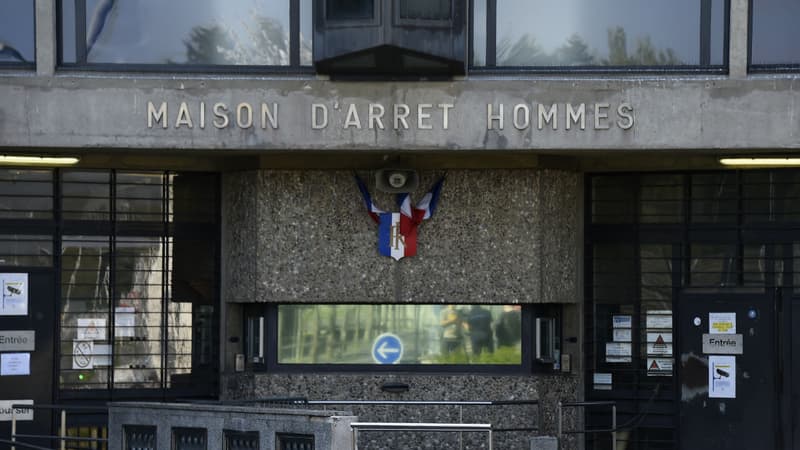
x: 15, y: 364
x: 622, y: 335
x: 621, y: 321
x: 124, y: 321
x: 20, y: 413
x: 721, y: 323
x: 14, y: 301
x: 721, y: 376
x: 618, y: 352
x: 659, y: 320
x: 91, y: 329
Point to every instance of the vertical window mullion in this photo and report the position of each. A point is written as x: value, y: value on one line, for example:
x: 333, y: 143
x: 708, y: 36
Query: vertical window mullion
x: 491, y: 33
x: 294, y: 33
x: 705, y: 32
x: 165, y: 274
x: 113, y: 275
x: 80, y: 32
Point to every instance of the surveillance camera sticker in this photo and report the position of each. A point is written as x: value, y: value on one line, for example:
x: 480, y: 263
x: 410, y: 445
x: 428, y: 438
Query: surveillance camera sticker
x: 721, y: 376
x: 14, y: 296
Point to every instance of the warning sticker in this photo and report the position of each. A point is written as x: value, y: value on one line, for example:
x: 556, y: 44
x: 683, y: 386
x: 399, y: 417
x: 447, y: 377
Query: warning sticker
x: 82, y: 353
x: 721, y: 376
x: 91, y: 329
x: 659, y: 347
x: 659, y: 367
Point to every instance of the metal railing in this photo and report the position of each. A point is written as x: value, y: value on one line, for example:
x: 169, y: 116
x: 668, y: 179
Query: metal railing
x: 613, y: 430
x: 62, y: 437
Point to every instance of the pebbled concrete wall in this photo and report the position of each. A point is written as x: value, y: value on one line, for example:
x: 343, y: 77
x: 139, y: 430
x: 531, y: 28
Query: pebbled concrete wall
x: 504, y: 236
x: 547, y: 389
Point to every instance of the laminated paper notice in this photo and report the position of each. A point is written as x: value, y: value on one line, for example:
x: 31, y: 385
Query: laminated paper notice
x: 124, y: 321
x: 618, y: 352
x: 721, y: 323
x: 93, y: 329
x: 721, y: 376
x: 14, y: 297
x: 15, y: 364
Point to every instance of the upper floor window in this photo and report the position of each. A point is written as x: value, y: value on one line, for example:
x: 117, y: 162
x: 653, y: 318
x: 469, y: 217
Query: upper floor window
x: 599, y: 33
x: 187, y: 33
x: 774, y: 33
x: 17, y: 35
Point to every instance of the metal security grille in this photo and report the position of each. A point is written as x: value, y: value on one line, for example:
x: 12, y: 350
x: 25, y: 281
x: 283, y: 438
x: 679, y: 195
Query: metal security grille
x: 241, y: 440
x: 189, y: 439
x: 137, y: 437
x: 138, y: 277
x: 136, y: 257
x: 295, y: 441
x: 653, y: 237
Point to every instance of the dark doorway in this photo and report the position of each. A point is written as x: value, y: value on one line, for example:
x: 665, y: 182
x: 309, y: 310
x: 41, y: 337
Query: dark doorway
x: 17, y: 329
x: 729, y: 383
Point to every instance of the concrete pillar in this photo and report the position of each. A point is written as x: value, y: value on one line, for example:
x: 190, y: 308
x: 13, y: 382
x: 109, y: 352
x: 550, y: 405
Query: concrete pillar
x: 739, y: 30
x: 46, y: 39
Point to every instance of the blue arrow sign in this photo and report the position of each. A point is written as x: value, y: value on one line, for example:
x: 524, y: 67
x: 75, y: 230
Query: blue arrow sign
x: 387, y: 349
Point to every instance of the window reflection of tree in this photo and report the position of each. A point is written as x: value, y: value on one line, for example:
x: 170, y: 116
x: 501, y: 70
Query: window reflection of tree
x: 526, y: 51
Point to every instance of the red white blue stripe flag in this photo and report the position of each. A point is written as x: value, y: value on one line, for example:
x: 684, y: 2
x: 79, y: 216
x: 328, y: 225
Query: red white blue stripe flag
x: 397, y: 232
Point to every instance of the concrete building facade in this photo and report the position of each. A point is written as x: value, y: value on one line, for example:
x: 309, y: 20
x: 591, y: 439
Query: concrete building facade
x: 213, y: 242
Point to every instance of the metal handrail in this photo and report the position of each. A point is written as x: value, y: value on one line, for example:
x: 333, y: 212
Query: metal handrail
x: 429, y: 427
x: 458, y: 403
x: 612, y: 430
x: 62, y: 437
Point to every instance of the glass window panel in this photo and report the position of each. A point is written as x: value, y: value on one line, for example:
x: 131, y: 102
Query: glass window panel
x: 26, y: 250
x: 715, y: 198
x: 26, y: 194
x: 193, y: 198
x: 613, y: 199
x: 775, y: 32
x: 139, y: 196
x: 139, y: 288
x: 86, y: 195
x: 182, y: 32
x: 430, y: 334
x: 607, y: 33
x: 661, y: 199
x: 656, y: 276
x: 787, y: 195
x: 17, y: 31
x: 479, y: 32
x: 425, y: 9
x: 85, y: 290
x: 614, y: 273
x: 754, y: 265
x: 349, y: 9
x: 796, y: 267
x: 713, y: 265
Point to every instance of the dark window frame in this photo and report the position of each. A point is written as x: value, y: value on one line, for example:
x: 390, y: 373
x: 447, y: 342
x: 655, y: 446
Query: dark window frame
x: 293, y: 68
x: 491, y: 67
x: 269, y: 311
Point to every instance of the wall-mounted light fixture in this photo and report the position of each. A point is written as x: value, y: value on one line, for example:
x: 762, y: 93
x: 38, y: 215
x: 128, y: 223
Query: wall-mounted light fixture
x: 760, y: 162
x: 13, y: 160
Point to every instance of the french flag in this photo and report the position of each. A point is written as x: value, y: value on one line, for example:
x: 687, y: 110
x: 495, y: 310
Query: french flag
x: 397, y: 232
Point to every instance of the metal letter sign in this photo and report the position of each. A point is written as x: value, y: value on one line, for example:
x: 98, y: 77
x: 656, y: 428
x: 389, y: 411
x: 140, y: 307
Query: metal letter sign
x: 387, y: 349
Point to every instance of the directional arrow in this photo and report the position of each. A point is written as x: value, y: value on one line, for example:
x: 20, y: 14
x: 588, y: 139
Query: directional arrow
x: 384, y: 349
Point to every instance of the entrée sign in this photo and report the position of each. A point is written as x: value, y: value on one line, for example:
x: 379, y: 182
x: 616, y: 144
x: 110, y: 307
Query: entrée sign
x: 396, y: 116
